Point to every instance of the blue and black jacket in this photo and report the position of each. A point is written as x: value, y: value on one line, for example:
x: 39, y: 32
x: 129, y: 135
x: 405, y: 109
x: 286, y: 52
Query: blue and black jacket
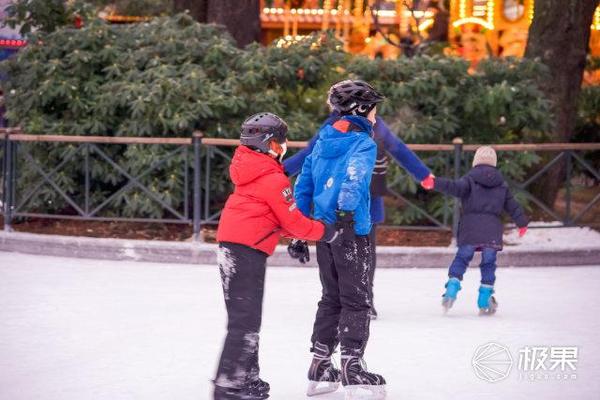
x: 337, y: 173
x: 386, y: 142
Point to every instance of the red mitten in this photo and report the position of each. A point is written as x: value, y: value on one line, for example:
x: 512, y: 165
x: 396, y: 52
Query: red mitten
x: 429, y: 182
x: 522, y: 231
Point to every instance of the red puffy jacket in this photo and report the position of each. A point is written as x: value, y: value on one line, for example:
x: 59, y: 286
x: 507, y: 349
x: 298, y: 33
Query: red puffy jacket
x: 262, y: 207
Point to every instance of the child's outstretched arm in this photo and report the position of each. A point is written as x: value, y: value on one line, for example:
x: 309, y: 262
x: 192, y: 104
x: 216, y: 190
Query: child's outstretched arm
x: 456, y: 188
x: 515, y: 210
x: 400, y: 151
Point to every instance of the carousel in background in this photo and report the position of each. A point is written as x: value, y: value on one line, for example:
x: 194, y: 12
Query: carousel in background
x: 484, y: 28
x: 376, y: 28
x: 473, y: 29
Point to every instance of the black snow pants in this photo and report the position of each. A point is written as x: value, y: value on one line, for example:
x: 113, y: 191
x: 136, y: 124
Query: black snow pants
x: 343, y: 312
x: 372, y: 238
x: 243, y: 279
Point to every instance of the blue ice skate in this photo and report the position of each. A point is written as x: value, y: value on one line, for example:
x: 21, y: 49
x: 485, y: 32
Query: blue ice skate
x: 452, y: 288
x: 486, y: 302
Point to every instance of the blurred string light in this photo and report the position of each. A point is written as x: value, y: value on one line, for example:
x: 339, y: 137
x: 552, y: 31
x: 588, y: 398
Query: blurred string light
x: 490, y: 12
x: 423, y: 26
x: 472, y: 20
x: 462, y: 8
x: 480, y: 8
x: 12, y: 43
x: 530, y: 11
x: 319, y: 11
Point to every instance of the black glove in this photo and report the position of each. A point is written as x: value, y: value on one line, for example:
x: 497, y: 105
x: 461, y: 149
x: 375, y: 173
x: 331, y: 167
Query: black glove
x: 332, y: 234
x: 298, y: 249
x: 345, y: 223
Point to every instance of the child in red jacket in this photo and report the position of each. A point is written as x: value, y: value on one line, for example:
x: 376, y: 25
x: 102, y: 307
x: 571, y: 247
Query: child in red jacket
x: 260, y: 210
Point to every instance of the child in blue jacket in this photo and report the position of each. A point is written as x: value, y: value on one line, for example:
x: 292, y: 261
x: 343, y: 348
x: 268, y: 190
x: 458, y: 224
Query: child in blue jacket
x: 334, y: 187
x: 386, y: 142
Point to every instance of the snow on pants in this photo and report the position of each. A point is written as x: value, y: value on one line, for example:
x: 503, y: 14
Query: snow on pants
x: 343, y: 312
x: 372, y: 239
x: 243, y: 278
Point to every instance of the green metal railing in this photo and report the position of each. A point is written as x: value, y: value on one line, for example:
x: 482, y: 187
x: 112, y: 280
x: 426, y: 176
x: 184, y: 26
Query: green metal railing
x: 203, y: 193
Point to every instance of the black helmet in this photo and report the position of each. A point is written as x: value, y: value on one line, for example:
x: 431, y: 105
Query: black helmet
x: 353, y: 97
x: 259, y: 129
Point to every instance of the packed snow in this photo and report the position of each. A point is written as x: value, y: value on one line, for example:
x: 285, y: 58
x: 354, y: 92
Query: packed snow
x: 543, y: 235
x: 81, y: 329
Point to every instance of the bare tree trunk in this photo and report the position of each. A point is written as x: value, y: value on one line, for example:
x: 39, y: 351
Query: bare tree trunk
x: 241, y: 17
x: 197, y: 8
x: 559, y: 36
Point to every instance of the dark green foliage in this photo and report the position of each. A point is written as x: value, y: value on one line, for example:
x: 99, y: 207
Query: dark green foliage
x: 171, y: 76
x: 49, y: 15
x: 43, y: 15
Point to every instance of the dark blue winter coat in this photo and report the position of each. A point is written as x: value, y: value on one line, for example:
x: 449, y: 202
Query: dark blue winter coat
x: 484, y: 197
x: 385, y: 140
x: 337, y: 174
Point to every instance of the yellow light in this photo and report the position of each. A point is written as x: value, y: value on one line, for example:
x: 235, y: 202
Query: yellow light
x: 472, y: 20
x: 490, y: 12
x: 425, y: 25
x: 391, y: 13
x: 462, y: 8
x: 531, y: 6
x: 596, y: 24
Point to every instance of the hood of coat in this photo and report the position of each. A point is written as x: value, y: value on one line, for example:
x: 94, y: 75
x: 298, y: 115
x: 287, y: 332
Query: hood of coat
x: 487, y: 176
x: 248, y: 165
x: 334, y: 143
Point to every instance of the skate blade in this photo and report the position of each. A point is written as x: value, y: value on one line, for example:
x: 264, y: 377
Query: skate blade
x: 447, y: 303
x: 365, y: 392
x: 316, y: 388
x: 491, y: 309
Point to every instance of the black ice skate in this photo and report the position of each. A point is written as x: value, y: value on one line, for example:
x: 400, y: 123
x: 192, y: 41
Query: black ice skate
x: 358, y: 383
x: 323, y: 377
x: 253, y: 390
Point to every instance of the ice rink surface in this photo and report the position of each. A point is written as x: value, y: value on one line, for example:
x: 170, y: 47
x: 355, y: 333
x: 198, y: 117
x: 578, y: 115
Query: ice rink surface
x: 81, y: 329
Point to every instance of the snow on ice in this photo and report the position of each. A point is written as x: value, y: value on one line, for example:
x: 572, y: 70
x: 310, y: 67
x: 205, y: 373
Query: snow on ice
x: 87, y: 330
x: 542, y: 236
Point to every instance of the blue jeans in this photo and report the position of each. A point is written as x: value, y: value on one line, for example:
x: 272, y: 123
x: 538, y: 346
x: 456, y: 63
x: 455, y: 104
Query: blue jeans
x: 465, y: 254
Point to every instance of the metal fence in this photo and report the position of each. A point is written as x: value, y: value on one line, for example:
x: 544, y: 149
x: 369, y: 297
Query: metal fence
x: 203, y: 192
